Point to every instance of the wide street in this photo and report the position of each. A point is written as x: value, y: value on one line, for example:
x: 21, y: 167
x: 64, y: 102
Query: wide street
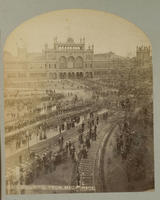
x: 65, y: 174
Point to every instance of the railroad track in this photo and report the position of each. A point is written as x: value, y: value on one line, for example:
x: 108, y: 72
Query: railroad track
x: 88, y: 168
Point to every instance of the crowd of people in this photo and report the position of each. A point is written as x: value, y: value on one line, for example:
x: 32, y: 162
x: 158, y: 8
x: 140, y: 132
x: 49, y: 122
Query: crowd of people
x: 124, y: 140
x: 67, y: 150
x: 85, y: 141
x: 46, y: 162
x: 39, y: 132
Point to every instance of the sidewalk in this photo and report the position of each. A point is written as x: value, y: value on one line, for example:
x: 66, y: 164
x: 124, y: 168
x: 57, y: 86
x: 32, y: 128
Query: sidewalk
x: 10, y: 148
x: 64, y: 175
x: 40, y: 146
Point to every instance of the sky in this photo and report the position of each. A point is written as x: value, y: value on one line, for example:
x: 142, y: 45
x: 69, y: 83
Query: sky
x: 105, y: 31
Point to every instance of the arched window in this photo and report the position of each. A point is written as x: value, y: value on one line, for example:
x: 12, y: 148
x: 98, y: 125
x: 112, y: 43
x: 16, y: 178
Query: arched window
x: 62, y: 62
x: 71, y: 62
x: 54, y: 75
x: 79, y: 62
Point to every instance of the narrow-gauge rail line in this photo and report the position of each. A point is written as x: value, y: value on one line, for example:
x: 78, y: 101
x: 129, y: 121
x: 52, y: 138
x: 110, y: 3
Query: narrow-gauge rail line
x: 89, y: 168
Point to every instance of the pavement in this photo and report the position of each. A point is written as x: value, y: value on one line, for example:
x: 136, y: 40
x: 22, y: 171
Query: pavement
x: 10, y: 148
x: 61, y: 176
x: 64, y: 173
x: 115, y: 177
x: 87, y: 166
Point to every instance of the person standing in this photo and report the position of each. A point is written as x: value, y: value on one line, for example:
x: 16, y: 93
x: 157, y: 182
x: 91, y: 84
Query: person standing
x: 83, y: 125
x: 73, y: 152
x: 84, y: 152
x: 90, y: 132
x: 95, y: 129
x: 118, y: 144
x: 69, y: 146
x: 38, y: 166
x: 81, y: 138
x: 79, y: 154
x: 97, y: 120
x: 60, y: 142
x: 78, y: 178
x: 88, y: 144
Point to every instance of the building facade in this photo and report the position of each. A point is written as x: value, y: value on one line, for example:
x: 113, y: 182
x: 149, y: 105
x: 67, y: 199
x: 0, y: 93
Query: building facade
x: 143, y: 55
x: 67, y: 60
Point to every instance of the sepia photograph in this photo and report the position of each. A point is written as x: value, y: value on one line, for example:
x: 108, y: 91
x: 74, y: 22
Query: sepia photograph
x: 78, y: 105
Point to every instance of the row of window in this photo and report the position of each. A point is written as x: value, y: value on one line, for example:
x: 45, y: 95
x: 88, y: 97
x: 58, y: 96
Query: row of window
x: 50, y: 66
